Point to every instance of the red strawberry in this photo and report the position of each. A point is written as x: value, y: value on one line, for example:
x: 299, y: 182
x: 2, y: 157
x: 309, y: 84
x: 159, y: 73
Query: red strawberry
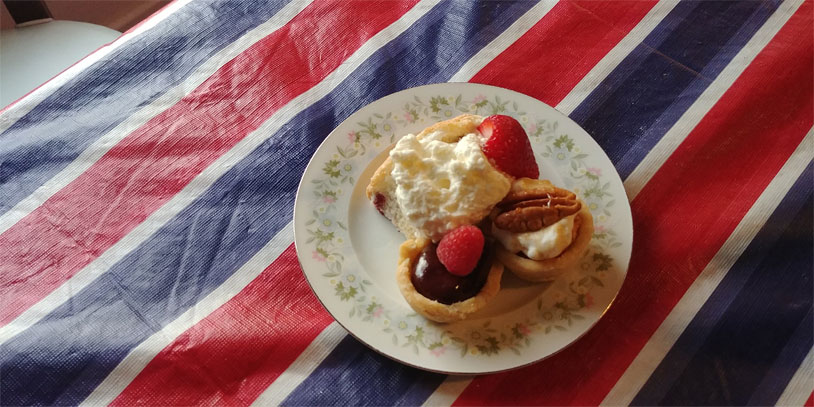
x: 460, y: 249
x: 508, y: 146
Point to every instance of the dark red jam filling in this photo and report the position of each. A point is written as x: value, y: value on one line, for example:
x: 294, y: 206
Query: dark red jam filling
x: 432, y: 280
x: 378, y: 202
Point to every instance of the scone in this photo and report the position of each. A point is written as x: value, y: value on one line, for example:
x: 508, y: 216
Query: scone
x: 438, y: 180
x: 543, y: 230
x: 437, y: 294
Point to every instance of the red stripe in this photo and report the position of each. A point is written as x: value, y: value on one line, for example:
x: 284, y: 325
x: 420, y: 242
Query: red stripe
x: 152, y: 164
x: 161, y: 383
x: 235, y: 353
x: 810, y: 401
x: 734, y: 152
x: 563, y: 47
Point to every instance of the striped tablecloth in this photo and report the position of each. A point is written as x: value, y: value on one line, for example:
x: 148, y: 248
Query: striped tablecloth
x: 137, y: 187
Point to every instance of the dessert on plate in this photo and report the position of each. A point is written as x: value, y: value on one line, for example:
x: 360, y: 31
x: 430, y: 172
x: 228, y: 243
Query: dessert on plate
x: 465, y: 194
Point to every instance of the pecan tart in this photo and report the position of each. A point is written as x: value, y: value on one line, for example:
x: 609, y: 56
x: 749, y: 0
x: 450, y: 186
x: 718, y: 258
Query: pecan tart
x: 543, y: 230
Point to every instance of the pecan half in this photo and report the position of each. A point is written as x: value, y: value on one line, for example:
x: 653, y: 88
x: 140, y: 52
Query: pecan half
x: 533, y: 209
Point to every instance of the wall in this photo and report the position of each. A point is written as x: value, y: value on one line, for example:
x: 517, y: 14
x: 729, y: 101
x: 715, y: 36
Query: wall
x: 119, y: 15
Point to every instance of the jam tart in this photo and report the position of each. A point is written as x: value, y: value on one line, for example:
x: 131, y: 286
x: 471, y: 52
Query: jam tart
x: 439, y: 295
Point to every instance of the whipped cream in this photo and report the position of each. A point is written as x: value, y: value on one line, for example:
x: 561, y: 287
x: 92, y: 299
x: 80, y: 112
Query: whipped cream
x: 542, y: 244
x: 440, y: 185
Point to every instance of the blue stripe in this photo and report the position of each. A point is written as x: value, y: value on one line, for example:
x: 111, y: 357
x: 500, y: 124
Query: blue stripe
x: 55, y: 132
x: 633, y: 108
x: 352, y: 375
x: 63, y: 357
x: 760, y: 311
x: 790, y: 359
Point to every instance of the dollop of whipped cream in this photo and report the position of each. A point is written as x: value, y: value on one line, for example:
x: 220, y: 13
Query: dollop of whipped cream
x: 542, y: 244
x: 440, y: 185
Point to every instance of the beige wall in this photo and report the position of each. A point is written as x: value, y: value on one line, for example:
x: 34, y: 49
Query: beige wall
x: 119, y: 15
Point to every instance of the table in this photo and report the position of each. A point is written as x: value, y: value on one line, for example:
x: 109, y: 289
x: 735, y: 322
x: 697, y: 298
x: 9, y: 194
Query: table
x: 131, y: 208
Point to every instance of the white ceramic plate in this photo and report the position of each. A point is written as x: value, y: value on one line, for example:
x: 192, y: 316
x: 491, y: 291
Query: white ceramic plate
x: 349, y: 252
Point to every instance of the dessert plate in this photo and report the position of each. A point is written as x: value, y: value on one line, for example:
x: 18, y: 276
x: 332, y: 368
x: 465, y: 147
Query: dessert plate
x: 348, y: 251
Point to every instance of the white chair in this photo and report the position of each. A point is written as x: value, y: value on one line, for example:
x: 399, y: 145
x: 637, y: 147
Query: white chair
x: 33, y: 53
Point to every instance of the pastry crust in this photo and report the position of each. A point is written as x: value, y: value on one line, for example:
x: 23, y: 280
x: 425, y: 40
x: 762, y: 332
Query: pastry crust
x: 434, y: 310
x: 549, y: 269
x: 382, y: 181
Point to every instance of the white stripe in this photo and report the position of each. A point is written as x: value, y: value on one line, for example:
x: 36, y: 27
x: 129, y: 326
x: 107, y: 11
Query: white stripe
x: 610, y: 61
x: 679, y: 131
x: 142, y: 354
x: 27, y: 103
x: 448, y: 391
x: 303, y: 366
x: 671, y: 328
x: 801, y: 385
x: 206, y: 178
x: 100, y: 147
x: 503, y: 41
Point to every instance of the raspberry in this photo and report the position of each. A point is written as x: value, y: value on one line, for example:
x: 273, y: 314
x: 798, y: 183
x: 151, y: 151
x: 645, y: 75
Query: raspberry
x: 460, y: 249
x: 508, y: 146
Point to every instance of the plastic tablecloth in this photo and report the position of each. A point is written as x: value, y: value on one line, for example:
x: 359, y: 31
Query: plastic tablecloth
x: 131, y: 208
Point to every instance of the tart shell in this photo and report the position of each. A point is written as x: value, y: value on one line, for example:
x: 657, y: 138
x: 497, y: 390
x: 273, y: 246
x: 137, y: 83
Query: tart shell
x: 434, y: 310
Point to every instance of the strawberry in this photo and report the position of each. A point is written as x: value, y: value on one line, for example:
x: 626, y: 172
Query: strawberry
x: 460, y: 249
x: 508, y: 146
